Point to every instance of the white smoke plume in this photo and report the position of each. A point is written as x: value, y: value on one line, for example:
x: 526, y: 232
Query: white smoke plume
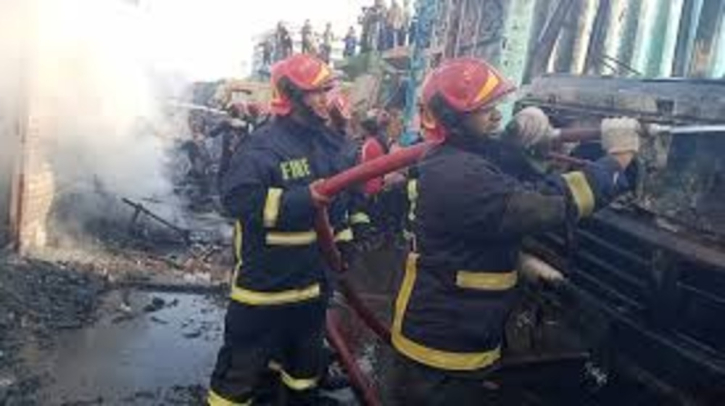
x: 86, y: 68
x: 93, y: 79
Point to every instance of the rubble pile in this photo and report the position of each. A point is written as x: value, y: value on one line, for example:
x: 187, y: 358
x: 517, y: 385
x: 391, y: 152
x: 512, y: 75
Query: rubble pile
x: 45, y: 296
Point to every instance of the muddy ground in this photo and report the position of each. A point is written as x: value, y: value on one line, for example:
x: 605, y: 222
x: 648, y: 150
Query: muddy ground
x: 72, y: 337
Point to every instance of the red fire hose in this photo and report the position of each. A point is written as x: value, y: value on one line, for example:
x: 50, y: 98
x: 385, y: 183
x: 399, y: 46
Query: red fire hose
x: 361, y: 173
x: 330, y: 187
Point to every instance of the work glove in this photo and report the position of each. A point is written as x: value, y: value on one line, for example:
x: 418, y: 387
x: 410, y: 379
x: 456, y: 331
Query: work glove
x: 621, y: 135
x: 530, y: 128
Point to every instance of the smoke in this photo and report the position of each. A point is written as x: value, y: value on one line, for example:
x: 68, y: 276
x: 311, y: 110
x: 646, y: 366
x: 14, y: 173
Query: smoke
x: 88, y: 74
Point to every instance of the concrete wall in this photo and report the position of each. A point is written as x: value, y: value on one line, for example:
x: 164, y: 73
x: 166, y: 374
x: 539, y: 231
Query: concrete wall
x: 6, y: 174
x: 38, y: 186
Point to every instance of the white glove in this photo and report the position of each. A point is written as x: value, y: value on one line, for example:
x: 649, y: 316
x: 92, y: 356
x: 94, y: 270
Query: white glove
x: 532, y: 128
x: 620, y: 135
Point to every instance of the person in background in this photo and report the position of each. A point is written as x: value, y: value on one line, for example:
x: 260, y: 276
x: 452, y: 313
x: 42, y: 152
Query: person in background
x: 267, y: 49
x: 405, y: 27
x: 232, y: 131
x: 306, y: 34
x: 350, y: 43
x: 378, y: 17
x: 283, y: 46
x: 328, y: 37
x: 394, y: 24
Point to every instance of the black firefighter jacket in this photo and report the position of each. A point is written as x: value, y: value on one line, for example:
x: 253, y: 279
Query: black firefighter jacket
x: 267, y: 191
x: 469, y: 220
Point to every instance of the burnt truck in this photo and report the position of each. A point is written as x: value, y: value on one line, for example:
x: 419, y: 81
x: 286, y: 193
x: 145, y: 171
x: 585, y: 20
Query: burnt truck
x: 644, y: 280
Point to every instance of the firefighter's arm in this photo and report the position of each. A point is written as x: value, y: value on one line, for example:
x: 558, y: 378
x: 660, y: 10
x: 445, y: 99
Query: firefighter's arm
x: 578, y: 194
x: 247, y: 194
x: 568, y: 197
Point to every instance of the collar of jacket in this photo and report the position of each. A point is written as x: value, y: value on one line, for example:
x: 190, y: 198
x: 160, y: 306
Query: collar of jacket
x: 311, y: 134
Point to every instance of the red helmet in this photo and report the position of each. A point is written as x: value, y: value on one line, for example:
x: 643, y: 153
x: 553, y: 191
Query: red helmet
x: 295, y: 76
x: 337, y: 100
x: 457, y: 87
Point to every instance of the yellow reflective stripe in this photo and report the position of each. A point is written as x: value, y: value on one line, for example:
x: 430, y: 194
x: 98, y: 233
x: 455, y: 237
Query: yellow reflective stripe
x: 215, y: 400
x: 291, y: 238
x: 447, y: 360
x: 297, y: 384
x: 322, y: 75
x: 412, y: 198
x: 581, y: 192
x: 271, y: 207
x: 238, y: 244
x: 491, y: 82
x: 344, y: 236
x: 359, y: 218
x: 486, y: 280
x: 292, y: 383
x: 255, y: 298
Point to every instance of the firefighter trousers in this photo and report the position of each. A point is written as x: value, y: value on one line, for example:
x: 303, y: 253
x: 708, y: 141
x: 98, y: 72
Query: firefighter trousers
x: 285, y: 340
x: 414, y: 384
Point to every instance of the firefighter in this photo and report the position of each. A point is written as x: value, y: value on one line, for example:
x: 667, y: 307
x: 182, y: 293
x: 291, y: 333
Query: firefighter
x: 470, y: 219
x: 280, y: 290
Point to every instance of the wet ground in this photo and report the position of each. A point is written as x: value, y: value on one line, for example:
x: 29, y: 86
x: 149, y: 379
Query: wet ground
x: 158, y: 350
x: 147, y: 347
x: 139, y: 357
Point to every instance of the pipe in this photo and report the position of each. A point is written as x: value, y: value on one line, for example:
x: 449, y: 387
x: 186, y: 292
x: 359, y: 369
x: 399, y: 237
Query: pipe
x: 360, y: 173
x: 375, y: 168
x: 548, y: 38
x: 330, y: 187
x: 670, y: 41
x: 625, y: 52
x: 582, y: 36
x: 362, y: 385
x: 689, y: 22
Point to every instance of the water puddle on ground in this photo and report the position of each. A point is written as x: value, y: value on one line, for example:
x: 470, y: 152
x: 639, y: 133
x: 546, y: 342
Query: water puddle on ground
x: 162, y: 354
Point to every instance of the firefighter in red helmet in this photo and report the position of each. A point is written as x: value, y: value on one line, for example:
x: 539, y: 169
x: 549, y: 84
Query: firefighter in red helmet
x: 275, y: 318
x: 470, y: 220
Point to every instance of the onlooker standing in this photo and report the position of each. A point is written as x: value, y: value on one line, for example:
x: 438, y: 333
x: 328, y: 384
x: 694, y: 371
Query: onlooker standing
x: 326, y: 48
x: 267, y: 49
x: 394, y: 25
x: 403, y: 30
x: 350, y: 43
x: 284, y: 42
x: 379, y: 14
x: 307, y: 41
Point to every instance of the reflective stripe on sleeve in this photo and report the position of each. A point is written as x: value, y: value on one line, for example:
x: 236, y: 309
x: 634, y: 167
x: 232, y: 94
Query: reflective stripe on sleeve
x: 581, y: 192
